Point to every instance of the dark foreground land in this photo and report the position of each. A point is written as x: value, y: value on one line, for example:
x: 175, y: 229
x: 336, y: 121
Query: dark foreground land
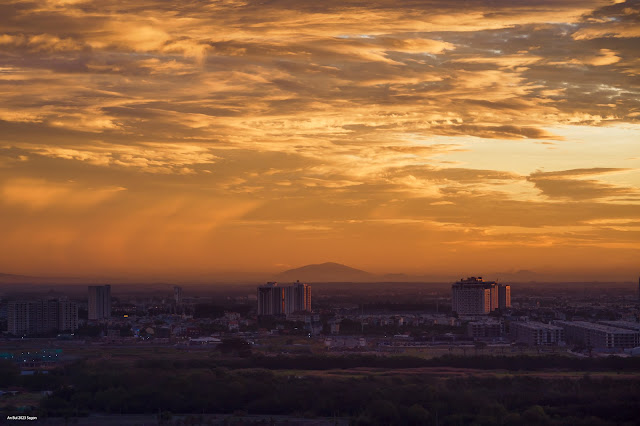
x: 325, y: 390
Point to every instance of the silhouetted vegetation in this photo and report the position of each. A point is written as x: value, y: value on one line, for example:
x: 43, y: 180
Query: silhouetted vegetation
x: 278, y: 385
x: 321, y: 362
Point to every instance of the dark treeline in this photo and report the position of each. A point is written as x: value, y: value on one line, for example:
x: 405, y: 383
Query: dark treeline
x: 324, y: 362
x: 370, y: 400
x: 224, y: 387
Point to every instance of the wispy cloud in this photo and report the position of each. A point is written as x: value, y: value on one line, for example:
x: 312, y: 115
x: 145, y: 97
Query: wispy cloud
x: 376, y: 123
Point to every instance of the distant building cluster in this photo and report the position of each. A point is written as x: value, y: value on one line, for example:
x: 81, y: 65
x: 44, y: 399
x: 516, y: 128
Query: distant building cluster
x: 99, y: 302
x: 277, y: 300
x: 34, y: 317
x: 474, y: 296
x: 576, y: 323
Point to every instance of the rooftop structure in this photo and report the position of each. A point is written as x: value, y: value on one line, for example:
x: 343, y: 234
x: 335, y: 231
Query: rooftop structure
x: 622, y: 324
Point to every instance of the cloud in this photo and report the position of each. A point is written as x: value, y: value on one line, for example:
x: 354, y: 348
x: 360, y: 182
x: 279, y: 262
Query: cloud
x: 40, y: 43
x: 568, y: 184
x: 38, y: 194
x: 605, y: 57
x: 507, y: 61
x: 147, y: 157
x: 561, y: 174
x: 391, y: 123
x: 304, y: 228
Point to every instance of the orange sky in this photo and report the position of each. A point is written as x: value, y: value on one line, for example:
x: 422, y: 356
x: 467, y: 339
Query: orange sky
x: 144, y: 139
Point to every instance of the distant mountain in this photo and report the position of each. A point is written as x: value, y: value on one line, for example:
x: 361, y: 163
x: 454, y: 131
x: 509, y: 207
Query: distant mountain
x: 325, y: 272
x: 520, y: 276
x: 397, y: 277
x: 12, y: 278
x: 26, y: 279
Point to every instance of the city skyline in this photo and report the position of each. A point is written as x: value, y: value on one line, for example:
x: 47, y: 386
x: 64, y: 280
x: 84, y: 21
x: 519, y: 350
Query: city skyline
x: 231, y: 139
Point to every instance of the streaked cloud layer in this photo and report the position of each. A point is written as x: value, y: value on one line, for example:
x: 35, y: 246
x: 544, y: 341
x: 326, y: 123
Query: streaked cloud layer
x: 190, y: 138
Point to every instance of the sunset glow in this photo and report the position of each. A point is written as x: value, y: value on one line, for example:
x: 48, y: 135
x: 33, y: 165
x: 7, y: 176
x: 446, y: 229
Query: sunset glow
x: 192, y: 139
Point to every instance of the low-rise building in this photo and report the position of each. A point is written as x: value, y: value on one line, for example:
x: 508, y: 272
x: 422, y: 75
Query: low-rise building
x: 482, y: 330
x: 599, y: 336
x: 536, y: 333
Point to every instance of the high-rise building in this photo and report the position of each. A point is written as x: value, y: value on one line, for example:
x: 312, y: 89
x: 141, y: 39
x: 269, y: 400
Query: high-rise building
x: 504, y: 296
x: 99, y: 302
x: 474, y: 296
x: 18, y: 318
x: 41, y: 316
x: 297, y: 298
x: 275, y: 300
x: 67, y: 316
x: 177, y: 295
x: 270, y: 299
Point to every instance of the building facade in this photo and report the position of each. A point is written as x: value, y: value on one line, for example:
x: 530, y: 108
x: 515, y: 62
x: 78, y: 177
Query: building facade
x: 474, y: 296
x: 67, y: 316
x: 18, y: 318
x: 99, y: 302
x: 270, y: 299
x: 536, y: 333
x: 26, y: 318
x: 482, y: 330
x: 599, y: 336
x: 297, y: 298
x: 504, y: 296
x: 276, y: 300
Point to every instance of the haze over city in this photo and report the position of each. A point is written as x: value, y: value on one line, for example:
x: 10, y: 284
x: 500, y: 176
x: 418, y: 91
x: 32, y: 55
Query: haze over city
x: 233, y: 139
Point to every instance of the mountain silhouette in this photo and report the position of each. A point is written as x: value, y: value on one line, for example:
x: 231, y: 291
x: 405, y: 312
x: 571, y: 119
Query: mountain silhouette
x: 325, y: 272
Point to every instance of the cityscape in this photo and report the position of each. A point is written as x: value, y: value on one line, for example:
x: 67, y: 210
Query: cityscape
x: 409, y: 327
x: 478, y: 310
x: 335, y: 213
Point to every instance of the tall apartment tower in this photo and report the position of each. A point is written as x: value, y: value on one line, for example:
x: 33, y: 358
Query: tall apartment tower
x: 504, y: 296
x: 67, y: 315
x: 474, y: 296
x: 275, y: 300
x: 270, y: 299
x: 99, y: 302
x: 177, y: 295
x: 297, y: 298
x: 18, y: 318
